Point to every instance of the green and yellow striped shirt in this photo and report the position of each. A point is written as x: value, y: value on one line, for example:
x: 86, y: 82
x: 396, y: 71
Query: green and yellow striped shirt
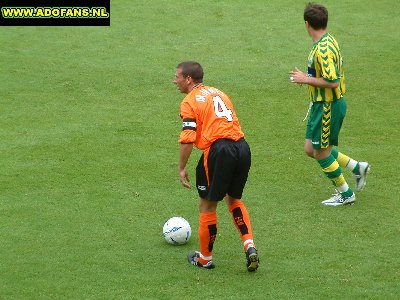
x: 326, y: 61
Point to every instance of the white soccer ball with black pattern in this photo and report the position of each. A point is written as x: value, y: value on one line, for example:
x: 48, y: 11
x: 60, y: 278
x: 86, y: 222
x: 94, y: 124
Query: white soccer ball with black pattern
x: 177, y: 231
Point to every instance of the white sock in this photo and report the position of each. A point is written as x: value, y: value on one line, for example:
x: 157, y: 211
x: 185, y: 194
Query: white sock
x: 351, y: 164
x: 248, y: 243
x: 343, y: 188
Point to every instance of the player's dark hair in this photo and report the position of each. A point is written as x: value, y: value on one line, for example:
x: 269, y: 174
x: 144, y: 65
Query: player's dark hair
x: 192, y: 69
x: 316, y: 15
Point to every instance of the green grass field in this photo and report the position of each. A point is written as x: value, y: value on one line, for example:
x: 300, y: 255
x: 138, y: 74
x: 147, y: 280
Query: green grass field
x: 88, y: 155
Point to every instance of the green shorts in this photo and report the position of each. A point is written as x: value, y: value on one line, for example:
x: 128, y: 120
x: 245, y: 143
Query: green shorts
x: 324, y: 124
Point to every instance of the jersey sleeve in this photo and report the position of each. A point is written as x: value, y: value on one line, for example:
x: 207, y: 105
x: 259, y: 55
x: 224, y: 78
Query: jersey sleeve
x: 189, y: 124
x: 329, y: 68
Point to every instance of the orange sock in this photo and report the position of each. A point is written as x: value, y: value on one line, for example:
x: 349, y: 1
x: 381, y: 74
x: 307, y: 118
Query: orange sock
x: 207, y: 235
x: 241, y: 219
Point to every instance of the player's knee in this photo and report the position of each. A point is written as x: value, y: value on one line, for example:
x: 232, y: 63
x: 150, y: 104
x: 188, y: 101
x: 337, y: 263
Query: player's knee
x: 308, y: 148
x: 207, y: 205
x: 230, y: 200
x: 309, y: 152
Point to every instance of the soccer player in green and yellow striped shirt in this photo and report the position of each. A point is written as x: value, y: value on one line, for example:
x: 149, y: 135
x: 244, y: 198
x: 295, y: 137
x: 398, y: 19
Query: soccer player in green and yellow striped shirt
x: 326, y: 89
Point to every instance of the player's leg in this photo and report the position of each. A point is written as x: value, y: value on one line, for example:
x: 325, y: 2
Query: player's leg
x: 240, y: 215
x: 325, y: 124
x: 241, y: 220
x: 238, y: 210
x: 360, y: 169
x: 207, y: 231
x: 207, y: 234
x: 308, y: 148
x: 333, y: 171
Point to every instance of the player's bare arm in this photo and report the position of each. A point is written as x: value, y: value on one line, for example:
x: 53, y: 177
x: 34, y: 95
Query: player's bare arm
x: 186, y: 150
x: 299, y: 77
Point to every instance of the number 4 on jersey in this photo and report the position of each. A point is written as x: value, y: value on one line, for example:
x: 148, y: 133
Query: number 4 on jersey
x: 221, y: 110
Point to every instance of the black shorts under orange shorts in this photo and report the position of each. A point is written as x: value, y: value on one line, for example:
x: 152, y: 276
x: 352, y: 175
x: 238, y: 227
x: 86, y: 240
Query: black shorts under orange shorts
x: 228, y: 166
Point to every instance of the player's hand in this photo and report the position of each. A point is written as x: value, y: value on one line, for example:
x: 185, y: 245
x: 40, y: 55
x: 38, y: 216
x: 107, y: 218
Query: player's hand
x: 298, y: 77
x: 184, y: 178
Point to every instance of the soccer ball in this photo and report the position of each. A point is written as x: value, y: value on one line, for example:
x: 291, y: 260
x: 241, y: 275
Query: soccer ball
x: 177, y: 231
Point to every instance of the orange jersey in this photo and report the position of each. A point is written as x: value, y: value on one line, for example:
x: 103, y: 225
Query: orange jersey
x: 208, y: 114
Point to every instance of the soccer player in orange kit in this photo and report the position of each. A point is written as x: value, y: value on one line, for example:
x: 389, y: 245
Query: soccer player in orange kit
x: 210, y: 123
